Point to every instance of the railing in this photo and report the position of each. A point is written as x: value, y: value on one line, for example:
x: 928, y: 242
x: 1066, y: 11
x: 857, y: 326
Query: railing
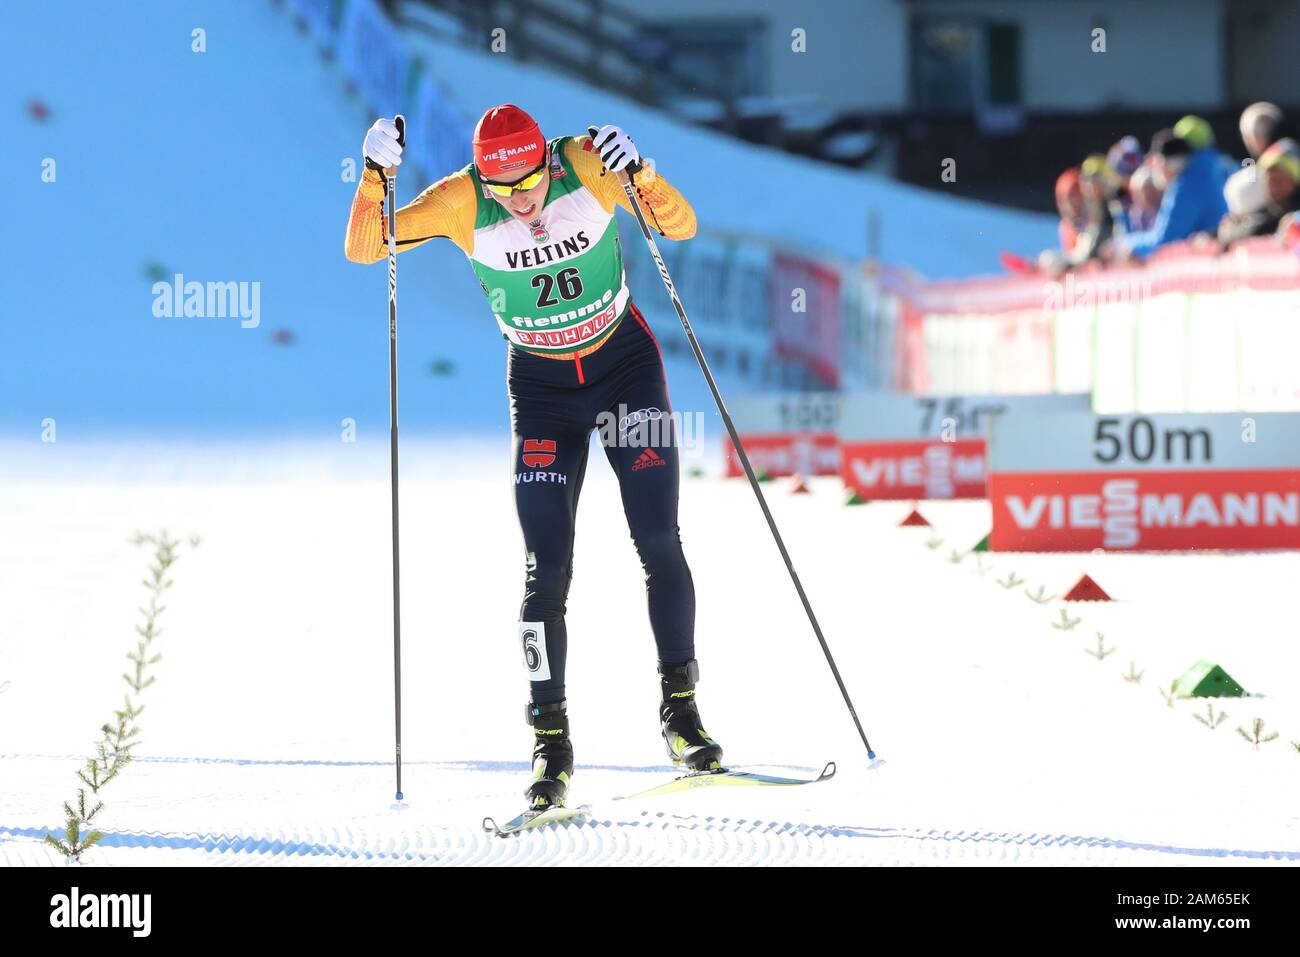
x: 604, y: 42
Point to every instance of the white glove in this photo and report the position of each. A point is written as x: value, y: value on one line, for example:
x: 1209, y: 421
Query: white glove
x: 616, y: 149
x: 382, y: 148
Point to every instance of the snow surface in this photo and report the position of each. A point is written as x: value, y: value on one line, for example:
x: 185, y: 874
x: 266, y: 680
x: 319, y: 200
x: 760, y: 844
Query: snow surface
x: 268, y: 737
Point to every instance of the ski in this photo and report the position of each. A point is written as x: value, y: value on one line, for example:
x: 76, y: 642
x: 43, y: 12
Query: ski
x: 724, y: 777
x: 530, y: 820
x: 720, y: 777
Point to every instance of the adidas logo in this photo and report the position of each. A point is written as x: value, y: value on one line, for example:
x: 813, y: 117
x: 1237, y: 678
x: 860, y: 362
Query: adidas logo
x: 648, y: 459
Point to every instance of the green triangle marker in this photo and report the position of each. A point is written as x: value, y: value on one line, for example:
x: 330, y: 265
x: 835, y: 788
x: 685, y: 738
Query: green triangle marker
x: 851, y: 497
x: 1207, y: 680
x: 983, y: 544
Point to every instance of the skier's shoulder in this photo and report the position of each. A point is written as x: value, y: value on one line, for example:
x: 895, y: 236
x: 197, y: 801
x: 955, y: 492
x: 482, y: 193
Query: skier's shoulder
x: 573, y: 145
x: 454, y: 191
x: 577, y: 152
x: 447, y: 207
x: 580, y: 156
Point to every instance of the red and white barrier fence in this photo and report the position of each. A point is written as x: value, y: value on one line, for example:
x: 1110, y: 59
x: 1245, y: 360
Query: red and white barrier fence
x: 1191, y: 330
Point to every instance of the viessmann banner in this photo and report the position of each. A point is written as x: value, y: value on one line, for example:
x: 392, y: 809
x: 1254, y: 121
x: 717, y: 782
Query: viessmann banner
x: 1069, y: 482
x: 928, y: 447
x: 786, y: 433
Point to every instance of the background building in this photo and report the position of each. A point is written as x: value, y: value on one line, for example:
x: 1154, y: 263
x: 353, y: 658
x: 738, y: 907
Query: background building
x: 1015, y: 89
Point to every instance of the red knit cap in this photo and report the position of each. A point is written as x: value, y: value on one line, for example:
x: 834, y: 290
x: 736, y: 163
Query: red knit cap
x: 507, y: 139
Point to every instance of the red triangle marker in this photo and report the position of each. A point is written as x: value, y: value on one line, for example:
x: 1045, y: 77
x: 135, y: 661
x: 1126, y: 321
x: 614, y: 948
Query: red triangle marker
x: 914, y: 518
x: 1085, y: 589
x: 798, y: 486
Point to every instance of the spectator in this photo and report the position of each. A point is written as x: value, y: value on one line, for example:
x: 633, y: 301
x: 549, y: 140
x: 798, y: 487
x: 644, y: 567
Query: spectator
x: 1123, y: 159
x: 1200, y: 136
x: 1196, y: 131
x: 1279, y: 169
x: 1261, y: 126
x: 1099, y: 185
x: 1144, y: 199
x: 1158, y: 140
x: 1191, y: 181
x: 1070, y: 204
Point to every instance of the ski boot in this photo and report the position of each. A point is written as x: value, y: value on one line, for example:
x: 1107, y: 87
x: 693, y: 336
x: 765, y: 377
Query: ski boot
x: 552, y: 755
x: 688, y: 743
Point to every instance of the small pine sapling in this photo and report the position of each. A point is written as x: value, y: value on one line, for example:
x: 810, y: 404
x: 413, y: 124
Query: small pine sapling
x: 1256, y: 735
x: 1101, y: 651
x: 119, y: 736
x: 1040, y: 596
x: 1210, y: 719
x: 1066, y: 622
x: 74, y: 843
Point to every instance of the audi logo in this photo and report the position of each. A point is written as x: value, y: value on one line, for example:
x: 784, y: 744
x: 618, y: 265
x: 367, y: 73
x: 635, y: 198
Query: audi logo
x: 639, y: 416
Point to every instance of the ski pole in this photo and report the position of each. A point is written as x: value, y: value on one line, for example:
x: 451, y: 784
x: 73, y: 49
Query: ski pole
x: 740, y: 449
x: 390, y: 197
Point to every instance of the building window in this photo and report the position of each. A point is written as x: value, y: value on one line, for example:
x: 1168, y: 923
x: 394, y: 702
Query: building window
x: 728, y: 56
x: 964, y: 64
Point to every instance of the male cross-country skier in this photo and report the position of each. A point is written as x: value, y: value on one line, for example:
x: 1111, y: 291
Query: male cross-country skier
x: 535, y: 217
